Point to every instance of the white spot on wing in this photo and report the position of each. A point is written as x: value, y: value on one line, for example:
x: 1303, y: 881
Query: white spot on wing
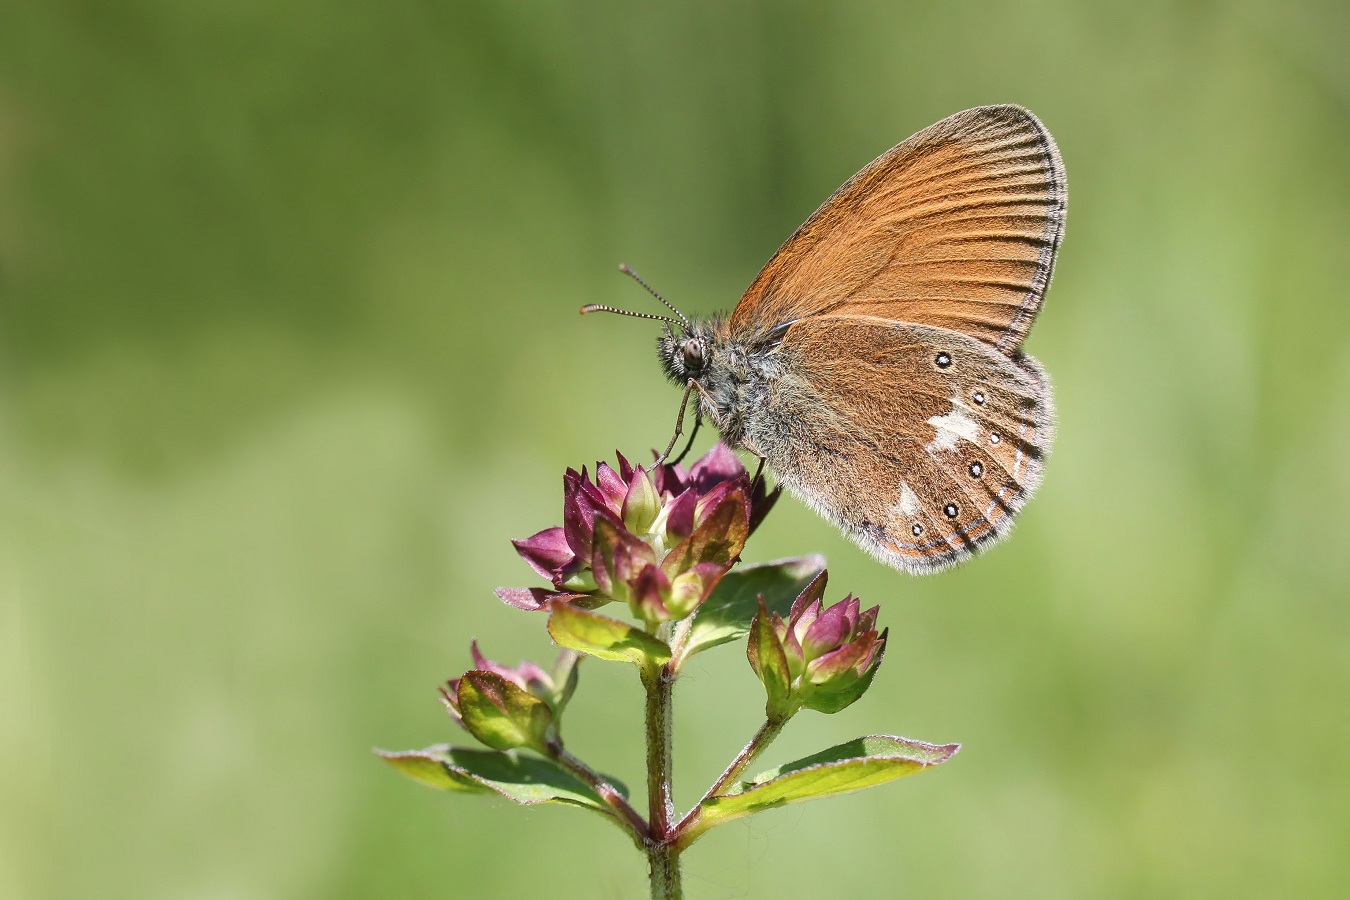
x: 951, y: 428
x: 909, y: 501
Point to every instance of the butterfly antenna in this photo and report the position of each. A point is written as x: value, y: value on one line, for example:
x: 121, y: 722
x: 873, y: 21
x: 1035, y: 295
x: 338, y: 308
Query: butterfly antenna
x: 598, y: 307
x: 623, y: 267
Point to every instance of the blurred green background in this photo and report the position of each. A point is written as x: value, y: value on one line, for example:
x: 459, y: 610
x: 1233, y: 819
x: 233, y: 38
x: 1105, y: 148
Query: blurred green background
x: 290, y: 350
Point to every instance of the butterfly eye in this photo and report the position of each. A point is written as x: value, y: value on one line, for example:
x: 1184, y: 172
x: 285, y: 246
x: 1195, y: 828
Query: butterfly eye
x: 943, y: 360
x: 693, y: 355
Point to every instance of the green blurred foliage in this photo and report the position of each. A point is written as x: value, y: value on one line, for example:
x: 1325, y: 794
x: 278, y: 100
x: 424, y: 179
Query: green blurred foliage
x: 287, y: 297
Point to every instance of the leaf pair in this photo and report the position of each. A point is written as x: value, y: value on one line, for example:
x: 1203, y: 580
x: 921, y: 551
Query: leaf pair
x: 531, y: 780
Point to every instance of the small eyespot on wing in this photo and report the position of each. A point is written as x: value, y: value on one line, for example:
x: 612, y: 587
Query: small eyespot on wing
x: 898, y: 450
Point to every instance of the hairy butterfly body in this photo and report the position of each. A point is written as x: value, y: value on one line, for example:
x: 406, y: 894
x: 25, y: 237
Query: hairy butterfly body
x: 875, y: 363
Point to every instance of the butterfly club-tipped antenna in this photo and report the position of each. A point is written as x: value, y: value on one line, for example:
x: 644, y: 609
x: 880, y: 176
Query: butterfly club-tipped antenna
x: 686, y: 326
x: 683, y: 320
x: 623, y: 267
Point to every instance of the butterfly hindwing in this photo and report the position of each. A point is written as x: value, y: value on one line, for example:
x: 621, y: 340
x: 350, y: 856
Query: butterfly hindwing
x: 921, y: 443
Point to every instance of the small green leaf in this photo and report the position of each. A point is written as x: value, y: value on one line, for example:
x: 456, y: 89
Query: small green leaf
x: 527, y: 780
x: 852, y: 766
x: 604, y: 637
x: 726, y: 615
x: 426, y: 768
x: 501, y: 714
x: 768, y: 660
x: 566, y: 671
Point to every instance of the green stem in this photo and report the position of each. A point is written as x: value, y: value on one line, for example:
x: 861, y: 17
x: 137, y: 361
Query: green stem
x: 623, y: 810
x: 664, y: 860
x: 663, y: 856
x: 687, y: 830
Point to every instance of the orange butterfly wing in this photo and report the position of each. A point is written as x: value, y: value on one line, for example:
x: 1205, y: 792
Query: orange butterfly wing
x: 955, y: 227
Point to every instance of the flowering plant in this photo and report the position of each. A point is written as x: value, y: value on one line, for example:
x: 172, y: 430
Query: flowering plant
x: 666, y: 543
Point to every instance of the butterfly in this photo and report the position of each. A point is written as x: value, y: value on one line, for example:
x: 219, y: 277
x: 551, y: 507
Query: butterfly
x: 875, y: 363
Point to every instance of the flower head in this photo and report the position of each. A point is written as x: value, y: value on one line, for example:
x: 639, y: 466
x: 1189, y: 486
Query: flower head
x: 657, y: 539
x: 506, y: 706
x: 820, y: 657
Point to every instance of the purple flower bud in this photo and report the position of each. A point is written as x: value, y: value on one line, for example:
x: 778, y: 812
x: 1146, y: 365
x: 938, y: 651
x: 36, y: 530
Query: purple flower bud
x: 709, y: 500
x: 830, y: 628
x: 625, y: 467
x: 526, y: 675
x: 618, y: 558
x: 534, y: 599
x: 641, y: 503
x: 717, y: 466
x: 829, y: 653
x: 650, y: 591
x: 611, y: 484
x: 553, y: 689
x: 680, y: 514
x: 718, y: 537
x: 658, y: 539
x: 691, y: 588
x: 761, y: 501
x: 547, y: 553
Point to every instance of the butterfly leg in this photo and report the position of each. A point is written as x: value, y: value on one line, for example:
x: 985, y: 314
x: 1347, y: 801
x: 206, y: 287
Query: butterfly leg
x: 759, y: 473
x: 679, y: 426
x: 698, y: 420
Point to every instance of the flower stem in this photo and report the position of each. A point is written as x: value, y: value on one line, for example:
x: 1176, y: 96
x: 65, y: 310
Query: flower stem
x: 686, y: 831
x: 626, y: 815
x: 749, y: 753
x: 663, y: 856
x: 664, y: 860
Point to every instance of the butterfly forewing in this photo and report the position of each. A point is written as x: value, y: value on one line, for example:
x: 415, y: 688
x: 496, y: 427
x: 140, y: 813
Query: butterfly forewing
x: 919, y: 442
x: 956, y: 227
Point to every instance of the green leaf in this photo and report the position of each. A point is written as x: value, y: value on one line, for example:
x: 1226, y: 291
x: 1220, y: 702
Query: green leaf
x: 523, y: 779
x: 501, y: 714
x: 852, y: 766
x: 425, y: 767
x: 607, y: 638
x: 566, y: 671
x: 726, y: 615
x: 769, y: 661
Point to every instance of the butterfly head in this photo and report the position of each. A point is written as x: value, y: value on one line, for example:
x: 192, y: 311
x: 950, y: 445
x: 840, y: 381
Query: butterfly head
x: 684, y: 354
x: 685, y: 345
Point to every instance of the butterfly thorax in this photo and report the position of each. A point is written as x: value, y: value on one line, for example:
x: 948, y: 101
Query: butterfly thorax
x: 732, y: 373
